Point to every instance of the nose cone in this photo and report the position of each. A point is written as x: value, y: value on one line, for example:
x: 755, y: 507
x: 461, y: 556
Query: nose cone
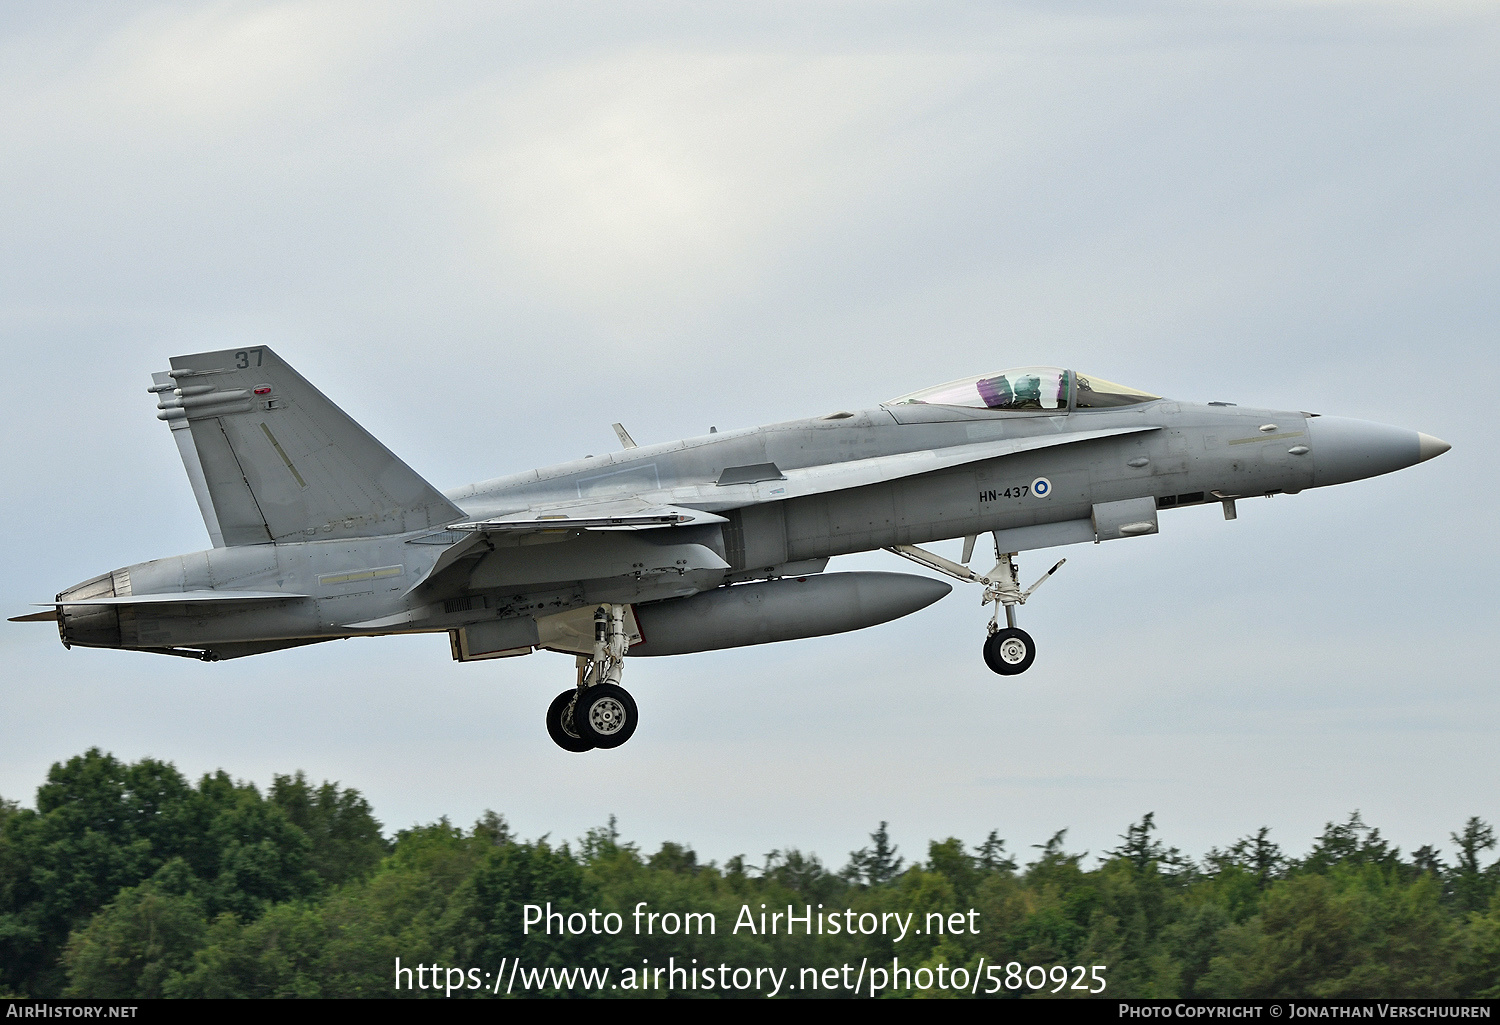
x: 1431, y: 446
x: 1345, y: 450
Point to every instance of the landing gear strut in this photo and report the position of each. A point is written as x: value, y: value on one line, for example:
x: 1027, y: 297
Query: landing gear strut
x: 1008, y: 650
x: 598, y: 712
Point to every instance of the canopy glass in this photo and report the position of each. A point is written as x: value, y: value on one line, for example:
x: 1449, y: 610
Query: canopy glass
x: 1037, y: 389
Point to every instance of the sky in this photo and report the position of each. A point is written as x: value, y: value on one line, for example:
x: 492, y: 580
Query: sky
x: 489, y: 230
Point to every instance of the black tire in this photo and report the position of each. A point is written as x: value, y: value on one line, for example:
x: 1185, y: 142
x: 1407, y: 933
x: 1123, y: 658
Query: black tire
x: 565, y: 736
x: 605, y: 715
x: 1009, y: 651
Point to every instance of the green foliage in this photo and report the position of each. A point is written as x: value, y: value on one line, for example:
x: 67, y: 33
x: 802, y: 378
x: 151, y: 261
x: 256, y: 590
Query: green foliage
x: 1252, y: 857
x: 128, y: 881
x: 876, y: 864
x: 1357, y: 931
x: 102, y: 827
x: 1478, y: 953
x: 345, y: 837
x: 991, y: 856
x: 1350, y: 844
x: 1471, y: 886
x: 143, y: 937
x: 346, y: 944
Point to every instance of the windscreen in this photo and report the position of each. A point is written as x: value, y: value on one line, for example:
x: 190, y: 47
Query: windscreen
x: 1097, y: 393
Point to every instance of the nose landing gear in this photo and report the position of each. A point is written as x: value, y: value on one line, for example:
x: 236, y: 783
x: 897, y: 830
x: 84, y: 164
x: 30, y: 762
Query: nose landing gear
x: 1008, y: 650
x: 598, y: 712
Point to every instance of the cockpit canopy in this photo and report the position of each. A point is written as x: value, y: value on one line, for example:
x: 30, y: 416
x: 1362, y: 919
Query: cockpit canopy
x: 1035, y: 389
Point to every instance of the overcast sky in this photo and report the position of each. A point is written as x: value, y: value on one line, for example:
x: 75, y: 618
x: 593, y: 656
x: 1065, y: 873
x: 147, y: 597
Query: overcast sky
x: 489, y: 230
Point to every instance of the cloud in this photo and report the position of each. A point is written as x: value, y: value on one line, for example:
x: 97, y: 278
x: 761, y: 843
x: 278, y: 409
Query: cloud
x: 669, y: 177
x: 209, y: 70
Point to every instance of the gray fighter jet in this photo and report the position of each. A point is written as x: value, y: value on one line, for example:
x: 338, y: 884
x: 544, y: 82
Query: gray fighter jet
x: 319, y: 532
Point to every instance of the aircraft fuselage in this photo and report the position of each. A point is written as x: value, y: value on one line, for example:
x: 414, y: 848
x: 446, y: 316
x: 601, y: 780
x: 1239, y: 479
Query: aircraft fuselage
x: 1179, y: 454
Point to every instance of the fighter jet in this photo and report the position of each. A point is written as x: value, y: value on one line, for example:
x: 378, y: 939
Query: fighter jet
x: 319, y: 532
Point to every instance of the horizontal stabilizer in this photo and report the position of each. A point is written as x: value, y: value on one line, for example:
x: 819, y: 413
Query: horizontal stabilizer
x: 279, y: 462
x: 181, y: 598
x: 50, y: 616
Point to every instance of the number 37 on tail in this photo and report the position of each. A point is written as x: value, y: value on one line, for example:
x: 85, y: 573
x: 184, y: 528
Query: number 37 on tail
x: 320, y: 532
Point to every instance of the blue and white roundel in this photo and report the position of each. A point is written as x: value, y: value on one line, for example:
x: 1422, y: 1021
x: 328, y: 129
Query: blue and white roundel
x: 1041, y: 487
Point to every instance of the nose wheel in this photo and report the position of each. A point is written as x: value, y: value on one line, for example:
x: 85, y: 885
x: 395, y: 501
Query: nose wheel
x: 598, y: 713
x: 1008, y: 650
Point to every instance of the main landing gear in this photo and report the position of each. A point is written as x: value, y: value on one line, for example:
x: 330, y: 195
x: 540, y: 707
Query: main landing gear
x: 1008, y: 650
x: 598, y: 712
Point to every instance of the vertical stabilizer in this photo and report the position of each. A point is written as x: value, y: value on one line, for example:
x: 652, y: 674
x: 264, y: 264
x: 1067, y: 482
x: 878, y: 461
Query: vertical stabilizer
x: 277, y: 461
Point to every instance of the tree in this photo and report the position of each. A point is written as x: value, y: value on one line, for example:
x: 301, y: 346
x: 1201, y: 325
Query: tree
x: 129, y: 881
x: 1142, y: 851
x: 1427, y: 859
x: 1356, y: 931
x: 140, y: 940
x: 675, y: 857
x: 344, y: 836
x: 1351, y: 843
x: 261, y: 857
x: 949, y: 859
x: 493, y: 829
x: 1256, y: 855
x: 99, y: 826
x: 1473, y: 886
x: 602, y: 842
x: 491, y: 903
x: 877, y: 863
x: 1053, y: 855
x: 102, y: 826
x: 992, y: 857
x: 803, y: 874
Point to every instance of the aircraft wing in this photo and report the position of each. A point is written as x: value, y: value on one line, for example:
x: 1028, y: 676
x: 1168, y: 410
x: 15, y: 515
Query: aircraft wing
x: 856, y: 473
x: 469, y: 537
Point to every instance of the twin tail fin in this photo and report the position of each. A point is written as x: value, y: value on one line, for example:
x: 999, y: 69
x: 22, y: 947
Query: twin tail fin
x: 272, y: 460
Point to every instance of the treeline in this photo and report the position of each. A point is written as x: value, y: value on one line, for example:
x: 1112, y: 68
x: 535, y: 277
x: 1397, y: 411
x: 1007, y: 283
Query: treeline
x: 127, y: 880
